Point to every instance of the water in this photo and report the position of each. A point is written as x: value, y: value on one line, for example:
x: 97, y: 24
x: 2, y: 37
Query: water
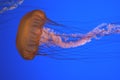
x: 98, y: 60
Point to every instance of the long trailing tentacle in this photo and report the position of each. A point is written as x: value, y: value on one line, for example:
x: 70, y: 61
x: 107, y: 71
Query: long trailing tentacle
x: 64, y: 41
x: 9, y: 5
x: 50, y: 40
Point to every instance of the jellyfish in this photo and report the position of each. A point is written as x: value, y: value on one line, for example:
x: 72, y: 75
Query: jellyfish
x: 9, y: 5
x: 32, y: 34
x: 29, y: 32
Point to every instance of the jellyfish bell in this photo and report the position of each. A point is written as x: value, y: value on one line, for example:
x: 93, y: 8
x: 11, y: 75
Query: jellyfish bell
x: 29, y: 32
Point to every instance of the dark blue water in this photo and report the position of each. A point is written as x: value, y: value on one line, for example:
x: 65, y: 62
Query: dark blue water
x: 99, y: 60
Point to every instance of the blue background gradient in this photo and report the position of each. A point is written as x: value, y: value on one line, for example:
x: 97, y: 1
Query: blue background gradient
x: 103, y: 56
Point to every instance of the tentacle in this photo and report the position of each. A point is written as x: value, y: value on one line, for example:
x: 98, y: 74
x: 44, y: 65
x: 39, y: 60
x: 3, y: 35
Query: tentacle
x: 64, y: 41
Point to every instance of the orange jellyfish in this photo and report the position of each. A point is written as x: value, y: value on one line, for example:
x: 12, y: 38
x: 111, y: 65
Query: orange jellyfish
x: 29, y: 33
x: 32, y: 33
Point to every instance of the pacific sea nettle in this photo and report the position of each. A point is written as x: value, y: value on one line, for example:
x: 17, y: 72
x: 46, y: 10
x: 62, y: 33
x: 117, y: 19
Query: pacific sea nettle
x: 29, y: 32
x: 32, y: 33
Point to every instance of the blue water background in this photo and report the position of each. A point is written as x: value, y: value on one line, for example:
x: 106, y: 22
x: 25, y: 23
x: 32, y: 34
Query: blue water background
x: 100, y: 60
